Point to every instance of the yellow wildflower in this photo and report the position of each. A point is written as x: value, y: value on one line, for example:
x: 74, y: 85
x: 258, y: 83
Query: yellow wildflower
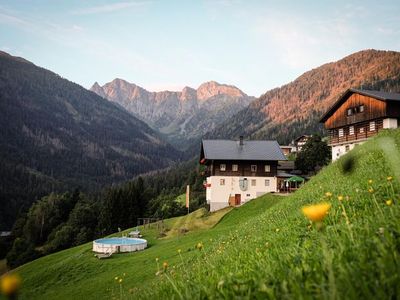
x: 156, y: 259
x: 277, y: 230
x: 120, y: 280
x: 179, y: 251
x: 389, y: 178
x: 165, y: 265
x: 328, y: 194
x: 371, y: 190
x: 199, y: 246
x: 389, y: 202
x: 116, y: 278
x: 340, y: 198
x: 370, y: 181
x: 316, y: 212
x: 10, y: 284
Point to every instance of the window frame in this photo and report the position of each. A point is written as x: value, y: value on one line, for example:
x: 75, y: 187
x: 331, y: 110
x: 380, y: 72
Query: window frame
x: 253, y: 168
x: 267, y: 182
x: 235, y: 167
x: 253, y: 182
x: 222, y: 167
x: 222, y: 181
x: 267, y: 168
x: 372, y: 126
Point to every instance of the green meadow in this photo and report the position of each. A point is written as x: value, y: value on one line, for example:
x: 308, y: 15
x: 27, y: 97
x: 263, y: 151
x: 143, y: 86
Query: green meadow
x: 266, y: 249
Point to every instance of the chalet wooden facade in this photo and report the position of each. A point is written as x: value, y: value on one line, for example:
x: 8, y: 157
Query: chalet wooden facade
x: 300, y: 141
x: 238, y: 171
x: 358, y: 115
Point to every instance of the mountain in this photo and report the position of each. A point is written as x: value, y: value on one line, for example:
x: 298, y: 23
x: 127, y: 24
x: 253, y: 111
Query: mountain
x: 56, y: 134
x: 295, y: 108
x: 180, y: 116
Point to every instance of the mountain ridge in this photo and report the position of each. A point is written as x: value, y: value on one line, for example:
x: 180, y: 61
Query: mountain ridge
x: 181, y: 116
x: 294, y: 109
x: 52, y: 127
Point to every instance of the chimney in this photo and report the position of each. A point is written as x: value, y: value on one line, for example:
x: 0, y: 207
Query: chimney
x: 241, y: 140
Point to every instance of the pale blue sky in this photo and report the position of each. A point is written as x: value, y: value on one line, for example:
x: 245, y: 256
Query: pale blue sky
x: 255, y: 45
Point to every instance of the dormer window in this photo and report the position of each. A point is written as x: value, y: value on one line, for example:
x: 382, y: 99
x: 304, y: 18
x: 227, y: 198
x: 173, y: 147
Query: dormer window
x: 222, y: 167
x: 349, y: 111
x: 253, y: 168
x: 361, y: 108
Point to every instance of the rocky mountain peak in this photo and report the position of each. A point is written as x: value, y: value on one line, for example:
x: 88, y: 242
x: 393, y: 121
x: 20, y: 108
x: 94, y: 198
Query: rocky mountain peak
x: 188, y: 93
x: 180, y: 116
x: 212, y: 88
x: 98, y: 89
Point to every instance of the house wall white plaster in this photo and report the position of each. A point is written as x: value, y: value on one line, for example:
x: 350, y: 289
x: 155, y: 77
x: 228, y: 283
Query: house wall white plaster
x: 217, y: 195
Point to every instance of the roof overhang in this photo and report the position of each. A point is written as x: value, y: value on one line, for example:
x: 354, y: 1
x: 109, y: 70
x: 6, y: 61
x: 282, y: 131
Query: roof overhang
x: 344, y: 97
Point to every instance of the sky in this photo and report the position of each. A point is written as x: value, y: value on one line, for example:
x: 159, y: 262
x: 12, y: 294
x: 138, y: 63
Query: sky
x: 166, y: 45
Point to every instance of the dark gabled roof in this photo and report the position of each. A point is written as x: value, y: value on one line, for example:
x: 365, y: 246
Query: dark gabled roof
x: 382, y: 96
x: 250, y: 150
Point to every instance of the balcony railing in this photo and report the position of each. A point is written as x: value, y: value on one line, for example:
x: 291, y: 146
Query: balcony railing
x: 361, y: 132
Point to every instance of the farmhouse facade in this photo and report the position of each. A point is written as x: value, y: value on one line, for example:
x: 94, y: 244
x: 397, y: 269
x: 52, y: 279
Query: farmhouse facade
x: 358, y: 115
x: 238, y: 171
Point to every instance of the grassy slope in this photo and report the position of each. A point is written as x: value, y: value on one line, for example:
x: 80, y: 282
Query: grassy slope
x: 76, y: 273
x: 259, y: 250
x: 278, y: 254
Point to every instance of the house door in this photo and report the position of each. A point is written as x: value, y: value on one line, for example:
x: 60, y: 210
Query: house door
x: 237, y: 199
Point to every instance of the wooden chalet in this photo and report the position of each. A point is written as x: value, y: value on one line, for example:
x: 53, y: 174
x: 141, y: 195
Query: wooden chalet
x: 358, y: 115
x: 299, y: 142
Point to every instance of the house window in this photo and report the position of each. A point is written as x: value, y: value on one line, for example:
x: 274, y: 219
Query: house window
x: 351, y: 130
x: 253, y: 182
x: 222, y: 167
x: 347, y: 148
x: 349, y: 111
x: 222, y: 182
x: 361, y: 108
x: 341, y: 132
x: 234, y: 168
x: 372, y: 126
x: 266, y: 182
x: 267, y: 168
x: 253, y: 168
x: 361, y: 129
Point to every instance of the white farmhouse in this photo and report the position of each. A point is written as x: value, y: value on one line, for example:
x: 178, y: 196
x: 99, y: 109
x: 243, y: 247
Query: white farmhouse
x: 238, y: 171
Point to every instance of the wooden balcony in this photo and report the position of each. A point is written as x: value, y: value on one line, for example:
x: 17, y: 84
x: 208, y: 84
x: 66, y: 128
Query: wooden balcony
x: 361, y: 132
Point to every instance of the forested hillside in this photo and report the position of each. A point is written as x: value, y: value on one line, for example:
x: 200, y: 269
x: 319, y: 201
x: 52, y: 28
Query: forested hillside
x: 59, y: 221
x: 295, y: 108
x: 56, y: 135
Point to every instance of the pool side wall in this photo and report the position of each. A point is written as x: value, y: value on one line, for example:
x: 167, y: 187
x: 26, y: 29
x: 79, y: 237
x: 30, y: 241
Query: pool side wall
x: 107, y: 248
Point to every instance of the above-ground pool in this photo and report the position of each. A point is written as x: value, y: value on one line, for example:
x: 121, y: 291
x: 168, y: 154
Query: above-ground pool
x: 118, y: 244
